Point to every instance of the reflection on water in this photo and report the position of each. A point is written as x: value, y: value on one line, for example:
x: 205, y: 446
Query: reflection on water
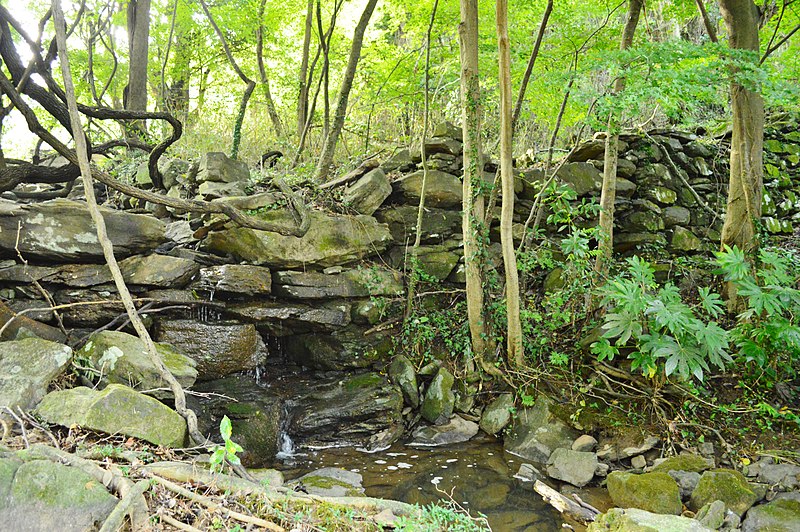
x: 479, y: 475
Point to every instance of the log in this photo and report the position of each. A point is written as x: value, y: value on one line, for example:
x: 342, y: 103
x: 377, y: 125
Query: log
x: 565, y: 505
x: 363, y: 168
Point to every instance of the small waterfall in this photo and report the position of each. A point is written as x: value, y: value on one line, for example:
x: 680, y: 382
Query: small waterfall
x: 287, y: 447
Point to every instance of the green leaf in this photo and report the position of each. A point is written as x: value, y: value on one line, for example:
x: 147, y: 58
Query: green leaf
x: 225, y: 428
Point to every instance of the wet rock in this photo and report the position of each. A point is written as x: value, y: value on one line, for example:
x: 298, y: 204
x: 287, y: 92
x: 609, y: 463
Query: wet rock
x: 443, y: 190
x: 218, y: 167
x: 368, y: 193
x: 687, y: 482
x: 236, y: 280
x: 402, y: 373
x: 575, y: 467
x: 359, y: 282
x: 330, y: 240
x: 115, y: 410
x: 437, y: 405
x: 122, y: 358
x: 497, y: 414
x: 44, y: 495
x: 456, y: 430
x: 27, y: 367
x: 536, y: 432
x: 62, y: 230
x: 712, y: 515
x: 528, y: 473
x: 344, y: 411
x: 256, y: 415
x: 282, y: 318
x: 635, y: 520
x: 345, y: 348
x: 331, y: 482
x: 652, y: 492
x: 778, y: 515
x: 584, y: 443
x: 584, y: 178
x: 724, y: 485
x: 219, y: 349
x: 615, y: 453
x: 683, y: 462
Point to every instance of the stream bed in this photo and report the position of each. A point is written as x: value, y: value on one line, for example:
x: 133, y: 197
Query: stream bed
x: 478, y: 474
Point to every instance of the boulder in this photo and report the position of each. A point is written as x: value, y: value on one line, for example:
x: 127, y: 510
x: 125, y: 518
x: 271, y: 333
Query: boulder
x: 256, y: 416
x: 712, y: 515
x: 683, y: 462
x: 359, y: 282
x: 684, y: 240
x: 44, y: 495
x: 236, y: 280
x: 402, y: 373
x: 218, y: 349
x: 219, y: 168
x: 122, y: 358
x: 785, y: 476
x: 635, y: 520
x: 652, y: 492
x: 437, y: 224
x: 780, y: 515
x: 439, y: 400
x: 537, y: 432
x: 158, y: 270
x: 400, y: 161
x: 345, y: 348
x: 331, y: 482
x: 443, y: 190
x: 613, y: 452
x: 62, y: 231
x: 625, y: 242
x: 456, y: 430
x: 724, y: 485
x: 331, y: 240
x: 27, y: 367
x: 663, y: 195
x: 584, y: 443
x: 575, y: 467
x: 448, y: 146
x: 687, y: 482
x: 591, y: 149
x: 497, y: 414
x: 675, y: 215
x: 368, y: 193
x: 345, y: 411
x: 115, y: 410
x: 625, y: 188
x: 282, y: 318
x: 584, y: 178
x: 447, y: 129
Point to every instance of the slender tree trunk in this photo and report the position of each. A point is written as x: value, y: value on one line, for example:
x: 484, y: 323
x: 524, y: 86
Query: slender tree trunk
x: 532, y: 61
x: 516, y: 354
x: 262, y: 72
x: 302, y: 97
x: 473, y: 198
x: 747, y: 142
x: 326, y: 159
x: 138, y: 42
x: 412, y: 276
x: 605, y: 237
x: 710, y: 29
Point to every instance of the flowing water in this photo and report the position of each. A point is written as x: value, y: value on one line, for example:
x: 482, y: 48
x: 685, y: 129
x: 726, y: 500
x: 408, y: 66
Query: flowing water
x: 478, y: 475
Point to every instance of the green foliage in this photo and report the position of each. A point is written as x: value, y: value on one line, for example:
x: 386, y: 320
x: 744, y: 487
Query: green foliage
x: 225, y: 453
x: 767, y: 334
x: 445, y: 517
x: 665, y: 333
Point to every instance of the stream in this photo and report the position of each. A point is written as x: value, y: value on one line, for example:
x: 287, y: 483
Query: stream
x: 478, y: 474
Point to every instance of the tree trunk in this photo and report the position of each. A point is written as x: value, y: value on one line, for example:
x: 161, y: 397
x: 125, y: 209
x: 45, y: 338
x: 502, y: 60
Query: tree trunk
x: 302, y: 97
x: 605, y: 237
x: 262, y: 72
x: 747, y: 142
x: 473, y: 202
x: 138, y: 39
x: 532, y: 61
x: 326, y: 159
x: 515, y: 350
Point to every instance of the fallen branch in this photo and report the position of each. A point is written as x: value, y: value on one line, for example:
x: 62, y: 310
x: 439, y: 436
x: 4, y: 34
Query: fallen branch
x: 115, y: 519
x: 564, y: 505
x: 362, y: 169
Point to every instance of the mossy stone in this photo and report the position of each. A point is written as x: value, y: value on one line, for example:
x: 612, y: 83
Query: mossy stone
x: 726, y: 485
x: 780, y: 515
x: 684, y: 240
x: 683, y: 462
x: 402, y: 373
x: 437, y: 407
x: 652, y: 492
x: 635, y: 520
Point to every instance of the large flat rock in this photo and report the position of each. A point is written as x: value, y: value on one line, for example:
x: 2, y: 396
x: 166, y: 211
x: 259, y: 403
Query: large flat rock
x: 26, y: 369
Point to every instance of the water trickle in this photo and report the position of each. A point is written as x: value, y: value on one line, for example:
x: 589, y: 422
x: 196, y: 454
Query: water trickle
x: 287, y: 447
